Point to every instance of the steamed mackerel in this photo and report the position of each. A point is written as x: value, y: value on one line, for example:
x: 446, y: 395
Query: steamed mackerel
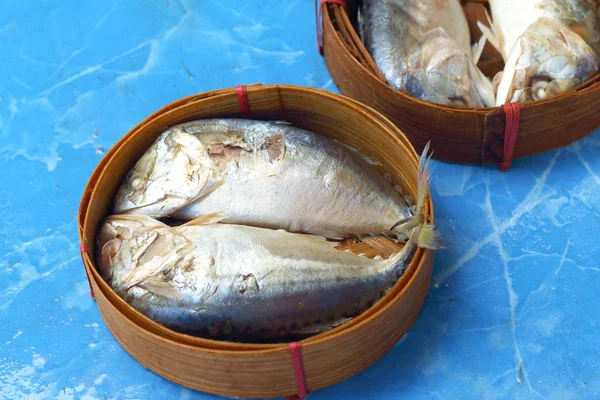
x: 269, y: 175
x: 225, y: 280
x: 547, y: 45
x: 423, y: 49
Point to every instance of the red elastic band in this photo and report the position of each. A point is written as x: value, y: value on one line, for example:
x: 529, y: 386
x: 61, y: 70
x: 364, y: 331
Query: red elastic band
x: 511, y: 130
x: 84, y: 249
x: 242, y: 95
x: 319, y: 18
x: 298, y: 372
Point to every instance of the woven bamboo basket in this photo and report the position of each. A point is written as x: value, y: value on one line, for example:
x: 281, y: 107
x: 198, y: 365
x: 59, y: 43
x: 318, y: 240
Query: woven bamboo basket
x: 261, y: 370
x: 471, y: 136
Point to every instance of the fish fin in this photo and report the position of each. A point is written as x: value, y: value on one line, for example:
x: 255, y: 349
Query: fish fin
x: 315, y: 239
x: 181, y: 213
x: 496, y: 80
x: 208, y: 219
x: 385, y: 248
x: 319, y: 328
x: 160, y: 287
x: 143, y: 219
x: 490, y: 32
x: 478, y: 49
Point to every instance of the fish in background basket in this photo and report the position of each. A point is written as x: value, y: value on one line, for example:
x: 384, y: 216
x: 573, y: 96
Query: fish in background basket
x: 423, y: 48
x: 547, y: 46
x: 242, y: 275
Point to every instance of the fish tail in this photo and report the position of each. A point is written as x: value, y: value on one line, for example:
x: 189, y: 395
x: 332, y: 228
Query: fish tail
x: 426, y: 236
x: 490, y: 32
x: 423, y: 184
x: 422, y: 234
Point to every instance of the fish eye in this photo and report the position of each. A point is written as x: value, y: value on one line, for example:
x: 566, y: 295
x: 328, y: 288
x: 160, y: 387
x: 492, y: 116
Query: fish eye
x: 137, y: 182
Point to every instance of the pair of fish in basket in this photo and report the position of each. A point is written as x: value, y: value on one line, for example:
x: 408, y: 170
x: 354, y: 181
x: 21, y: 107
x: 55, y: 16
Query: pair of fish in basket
x: 238, y: 229
x: 423, y: 48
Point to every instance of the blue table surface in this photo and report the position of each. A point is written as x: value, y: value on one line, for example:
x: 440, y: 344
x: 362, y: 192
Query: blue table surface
x: 513, y: 307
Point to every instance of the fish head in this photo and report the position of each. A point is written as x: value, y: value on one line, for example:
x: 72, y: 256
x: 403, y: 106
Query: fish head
x: 173, y: 173
x: 134, y: 248
x: 109, y: 240
x: 547, y: 60
x: 440, y: 71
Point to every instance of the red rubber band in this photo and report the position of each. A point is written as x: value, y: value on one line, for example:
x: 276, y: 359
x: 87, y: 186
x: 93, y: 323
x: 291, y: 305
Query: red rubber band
x: 84, y: 249
x: 242, y: 95
x: 319, y: 18
x: 511, y: 130
x: 296, y: 351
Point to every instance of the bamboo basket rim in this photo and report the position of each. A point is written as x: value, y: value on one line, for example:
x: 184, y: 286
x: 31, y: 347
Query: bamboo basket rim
x: 217, y: 345
x: 593, y: 82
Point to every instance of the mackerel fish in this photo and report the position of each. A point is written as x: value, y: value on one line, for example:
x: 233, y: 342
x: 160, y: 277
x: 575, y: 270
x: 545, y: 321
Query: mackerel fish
x: 269, y: 175
x: 242, y: 283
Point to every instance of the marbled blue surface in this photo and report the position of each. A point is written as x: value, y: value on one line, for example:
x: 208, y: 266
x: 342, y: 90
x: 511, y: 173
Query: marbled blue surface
x: 513, y: 309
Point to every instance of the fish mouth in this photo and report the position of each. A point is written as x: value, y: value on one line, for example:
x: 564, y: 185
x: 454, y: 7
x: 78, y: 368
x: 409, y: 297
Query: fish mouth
x: 108, y: 252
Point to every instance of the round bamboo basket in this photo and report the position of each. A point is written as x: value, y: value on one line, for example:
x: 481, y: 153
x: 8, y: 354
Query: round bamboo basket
x: 462, y: 135
x: 261, y: 370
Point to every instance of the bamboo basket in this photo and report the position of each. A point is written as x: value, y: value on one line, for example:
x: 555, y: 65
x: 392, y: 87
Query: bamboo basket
x: 462, y: 135
x: 261, y: 370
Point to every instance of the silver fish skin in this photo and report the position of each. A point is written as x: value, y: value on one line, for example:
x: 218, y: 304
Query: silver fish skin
x: 217, y: 279
x: 579, y: 16
x: 277, y: 176
x: 547, y: 45
x: 423, y: 49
